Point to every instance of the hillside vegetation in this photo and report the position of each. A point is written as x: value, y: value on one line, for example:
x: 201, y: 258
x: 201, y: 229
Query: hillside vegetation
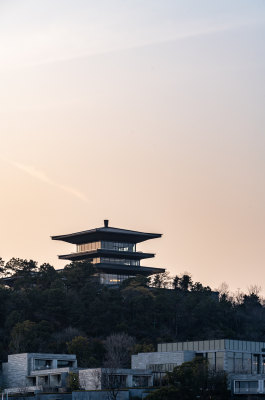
x: 43, y: 310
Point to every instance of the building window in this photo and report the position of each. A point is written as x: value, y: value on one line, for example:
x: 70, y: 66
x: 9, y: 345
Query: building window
x: 64, y: 364
x: 113, y: 279
x: 256, y: 364
x: 263, y: 364
x: 238, y: 363
x: 88, y: 247
x: 140, y: 381
x: 42, y: 364
x: 114, y: 381
x: 55, y: 380
x: 246, y: 386
x: 124, y: 261
x: 219, y: 360
x: 162, y: 367
x: 118, y: 246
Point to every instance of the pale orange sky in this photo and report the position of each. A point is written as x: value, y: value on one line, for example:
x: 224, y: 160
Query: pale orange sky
x: 148, y: 113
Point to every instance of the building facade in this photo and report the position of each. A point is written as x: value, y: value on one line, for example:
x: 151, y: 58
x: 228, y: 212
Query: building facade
x: 104, y: 378
x: 243, y: 361
x: 37, y: 371
x: 112, y: 252
x: 232, y: 356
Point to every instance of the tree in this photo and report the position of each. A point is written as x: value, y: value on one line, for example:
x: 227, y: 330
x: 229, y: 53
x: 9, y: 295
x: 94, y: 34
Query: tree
x: 185, y: 282
x: 20, y: 266
x: 73, y: 381
x: 22, y: 271
x: 47, y: 275
x: 161, y: 281
x: 81, y: 347
x: 29, y: 336
x: 2, y: 266
x: 77, y: 274
x: 89, y: 352
x: 175, y: 282
x: 119, y: 347
x: 195, y: 380
x: 143, y: 348
x: 112, y: 382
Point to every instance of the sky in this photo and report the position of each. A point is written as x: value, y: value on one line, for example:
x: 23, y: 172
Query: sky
x: 147, y: 113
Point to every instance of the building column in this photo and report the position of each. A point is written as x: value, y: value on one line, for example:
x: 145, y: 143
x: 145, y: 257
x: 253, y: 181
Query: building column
x: 261, y: 386
x: 129, y: 381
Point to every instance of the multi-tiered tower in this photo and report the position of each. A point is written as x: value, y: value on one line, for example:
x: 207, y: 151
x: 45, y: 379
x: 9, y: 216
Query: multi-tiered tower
x: 112, y: 251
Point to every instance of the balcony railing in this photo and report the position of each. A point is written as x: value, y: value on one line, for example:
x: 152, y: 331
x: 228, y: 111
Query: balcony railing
x: 246, y: 391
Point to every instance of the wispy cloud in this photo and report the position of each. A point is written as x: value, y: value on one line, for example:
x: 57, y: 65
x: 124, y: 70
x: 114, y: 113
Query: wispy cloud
x: 41, y: 176
x: 62, y: 44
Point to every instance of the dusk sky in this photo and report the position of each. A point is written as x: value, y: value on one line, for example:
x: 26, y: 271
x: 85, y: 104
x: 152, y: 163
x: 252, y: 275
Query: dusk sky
x: 148, y: 113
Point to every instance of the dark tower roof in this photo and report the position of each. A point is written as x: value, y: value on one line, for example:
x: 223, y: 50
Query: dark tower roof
x: 107, y: 233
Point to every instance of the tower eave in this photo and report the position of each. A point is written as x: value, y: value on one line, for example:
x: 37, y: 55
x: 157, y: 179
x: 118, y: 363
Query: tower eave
x: 106, y: 233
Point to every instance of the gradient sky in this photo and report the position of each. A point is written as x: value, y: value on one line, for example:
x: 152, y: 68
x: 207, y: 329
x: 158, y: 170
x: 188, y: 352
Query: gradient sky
x: 149, y: 113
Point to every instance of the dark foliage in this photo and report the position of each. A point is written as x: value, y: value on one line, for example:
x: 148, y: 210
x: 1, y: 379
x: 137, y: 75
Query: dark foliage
x: 44, y: 310
x: 193, y: 380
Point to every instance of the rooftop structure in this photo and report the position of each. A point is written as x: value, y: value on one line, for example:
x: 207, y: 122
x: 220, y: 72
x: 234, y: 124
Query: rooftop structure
x: 112, y: 251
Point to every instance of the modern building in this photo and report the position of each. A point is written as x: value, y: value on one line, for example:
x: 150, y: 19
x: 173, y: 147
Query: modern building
x: 104, y: 378
x: 37, y: 371
x: 243, y: 361
x: 112, y: 252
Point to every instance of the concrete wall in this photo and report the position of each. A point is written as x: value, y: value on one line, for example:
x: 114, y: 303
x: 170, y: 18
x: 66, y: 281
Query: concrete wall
x: 201, y: 345
x: 99, y: 395
x: 216, y: 345
x: 16, y: 370
x: 46, y: 396
x: 90, y: 379
x: 143, y: 360
x: 104, y: 395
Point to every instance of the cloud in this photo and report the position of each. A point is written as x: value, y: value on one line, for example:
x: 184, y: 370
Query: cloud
x: 41, y: 176
x: 64, y: 42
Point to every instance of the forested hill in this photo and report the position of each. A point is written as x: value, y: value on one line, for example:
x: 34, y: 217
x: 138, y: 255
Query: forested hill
x: 44, y: 310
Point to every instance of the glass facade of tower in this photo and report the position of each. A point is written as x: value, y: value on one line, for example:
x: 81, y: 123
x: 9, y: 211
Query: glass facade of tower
x: 107, y: 245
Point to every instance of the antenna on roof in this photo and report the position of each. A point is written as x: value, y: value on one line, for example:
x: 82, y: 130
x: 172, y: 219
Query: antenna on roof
x: 106, y: 223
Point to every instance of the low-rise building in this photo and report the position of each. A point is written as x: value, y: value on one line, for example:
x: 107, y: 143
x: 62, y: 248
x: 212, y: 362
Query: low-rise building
x: 104, y: 378
x: 160, y: 362
x: 37, y: 371
x: 243, y: 361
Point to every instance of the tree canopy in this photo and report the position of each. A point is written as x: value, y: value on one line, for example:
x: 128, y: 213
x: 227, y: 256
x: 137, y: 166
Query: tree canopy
x: 45, y: 310
x: 193, y: 380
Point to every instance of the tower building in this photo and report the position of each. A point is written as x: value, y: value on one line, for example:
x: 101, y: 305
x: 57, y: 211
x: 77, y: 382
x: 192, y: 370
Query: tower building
x: 112, y: 252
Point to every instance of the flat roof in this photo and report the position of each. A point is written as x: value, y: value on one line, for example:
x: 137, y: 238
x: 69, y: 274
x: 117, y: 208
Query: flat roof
x: 106, y: 233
